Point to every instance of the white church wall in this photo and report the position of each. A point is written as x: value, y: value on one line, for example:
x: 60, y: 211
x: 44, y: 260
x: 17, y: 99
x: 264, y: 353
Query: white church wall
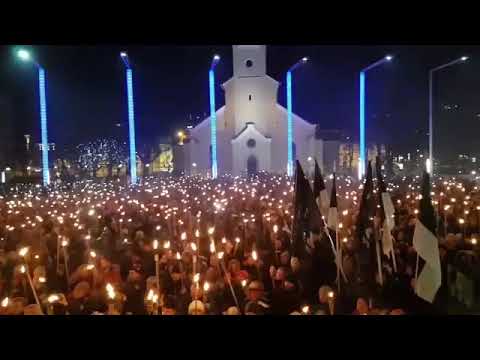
x: 261, y: 151
x: 255, y: 100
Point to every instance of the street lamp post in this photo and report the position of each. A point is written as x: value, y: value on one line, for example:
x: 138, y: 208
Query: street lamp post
x: 131, y: 118
x: 363, y: 152
x: 24, y: 55
x: 290, y: 115
x: 430, y: 109
x: 213, y: 116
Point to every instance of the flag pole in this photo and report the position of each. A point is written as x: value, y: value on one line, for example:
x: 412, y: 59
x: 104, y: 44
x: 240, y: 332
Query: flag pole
x: 379, y: 258
x: 339, y: 259
x: 416, y: 272
x: 334, y: 251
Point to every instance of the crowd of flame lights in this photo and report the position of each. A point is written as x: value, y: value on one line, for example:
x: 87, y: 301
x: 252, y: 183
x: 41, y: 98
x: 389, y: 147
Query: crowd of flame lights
x: 184, y: 208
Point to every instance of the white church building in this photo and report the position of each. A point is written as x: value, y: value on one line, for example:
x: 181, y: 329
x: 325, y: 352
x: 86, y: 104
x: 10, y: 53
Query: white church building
x: 252, y: 126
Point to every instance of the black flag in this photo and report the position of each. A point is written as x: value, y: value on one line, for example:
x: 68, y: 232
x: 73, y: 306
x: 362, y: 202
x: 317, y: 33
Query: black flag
x: 382, y: 188
x: 367, y: 205
x: 426, y: 212
x: 318, y: 183
x: 307, y: 216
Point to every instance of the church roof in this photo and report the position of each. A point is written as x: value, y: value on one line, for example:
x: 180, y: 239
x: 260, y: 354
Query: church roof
x: 252, y: 125
x: 233, y: 77
x: 206, y: 121
x: 296, y: 117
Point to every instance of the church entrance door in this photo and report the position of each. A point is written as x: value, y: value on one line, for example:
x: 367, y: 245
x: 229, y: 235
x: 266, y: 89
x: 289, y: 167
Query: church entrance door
x: 252, y: 165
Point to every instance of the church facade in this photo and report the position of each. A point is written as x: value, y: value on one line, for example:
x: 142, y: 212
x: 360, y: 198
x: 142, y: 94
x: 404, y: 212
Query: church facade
x: 252, y: 126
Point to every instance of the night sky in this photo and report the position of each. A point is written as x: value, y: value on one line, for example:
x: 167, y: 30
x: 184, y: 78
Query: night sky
x: 86, y: 90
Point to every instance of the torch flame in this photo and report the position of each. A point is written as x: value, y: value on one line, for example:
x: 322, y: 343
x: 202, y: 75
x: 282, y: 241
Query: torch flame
x: 5, y: 302
x: 23, y: 251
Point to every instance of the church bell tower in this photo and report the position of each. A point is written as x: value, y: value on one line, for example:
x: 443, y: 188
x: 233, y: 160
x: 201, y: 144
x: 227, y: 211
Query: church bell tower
x: 249, y: 60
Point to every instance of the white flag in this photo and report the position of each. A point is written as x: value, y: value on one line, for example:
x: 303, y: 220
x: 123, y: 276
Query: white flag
x: 324, y: 201
x: 389, y: 210
x: 387, y: 243
x: 430, y: 279
x: 332, y: 218
x: 388, y: 224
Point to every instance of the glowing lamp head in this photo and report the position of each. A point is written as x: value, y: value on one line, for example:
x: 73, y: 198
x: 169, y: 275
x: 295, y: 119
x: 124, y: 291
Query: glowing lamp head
x: 23, y: 55
x: 389, y: 57
x: 216, y: 57
x: 123, y: 54
x: 304, y: 59
x: 464, y: 58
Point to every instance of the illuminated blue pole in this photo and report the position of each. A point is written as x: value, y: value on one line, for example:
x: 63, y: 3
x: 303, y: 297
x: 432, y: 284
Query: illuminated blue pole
x: 43, y: 125
x: 363, y: 151
x: 290, y: 158
x: 361, y: 162
x: 213, y: 115
x: 213, y: 122
x: 131, y: 120
x: 289, y: 125
x: 131, y: 128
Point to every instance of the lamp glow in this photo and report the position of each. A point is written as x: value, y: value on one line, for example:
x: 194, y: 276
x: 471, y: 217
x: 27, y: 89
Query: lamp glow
x: 23, y: 55
x: 464, y: 58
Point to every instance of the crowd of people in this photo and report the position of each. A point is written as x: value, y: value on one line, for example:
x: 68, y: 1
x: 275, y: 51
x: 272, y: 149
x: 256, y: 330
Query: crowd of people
x: 197, y: 246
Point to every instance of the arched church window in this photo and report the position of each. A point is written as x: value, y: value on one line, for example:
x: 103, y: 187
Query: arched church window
x: 249, y: 63
x: 250, y: 97
x: 251, y: 143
